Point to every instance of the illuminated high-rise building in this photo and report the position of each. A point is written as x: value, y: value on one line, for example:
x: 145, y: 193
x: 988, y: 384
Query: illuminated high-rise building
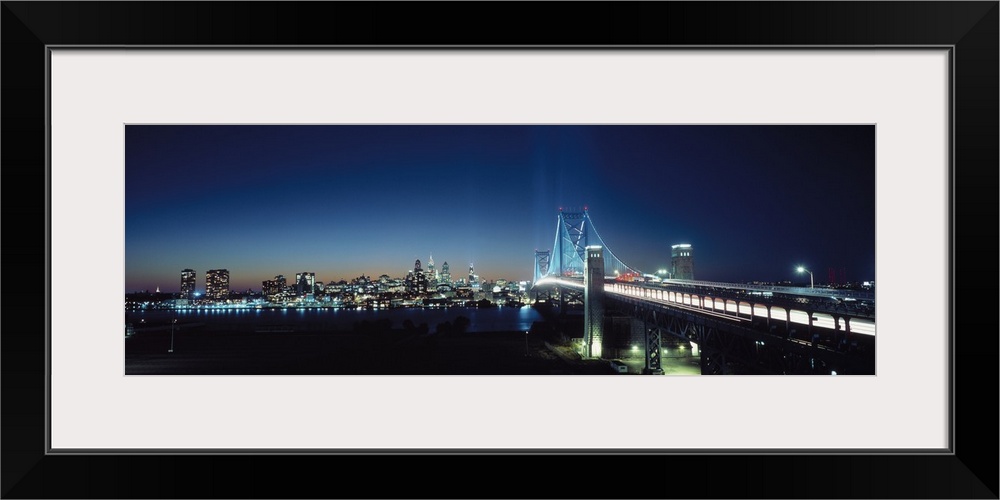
x: 473, y: 279
x: 682, y: 262
x: 445, y: 273
x: 273, y: 288
x: 305, y: 282
x: 187, y: 283
x: 418, y: 281
x: 433, y: 278
x: 281, y: 281
x: 217, y: 284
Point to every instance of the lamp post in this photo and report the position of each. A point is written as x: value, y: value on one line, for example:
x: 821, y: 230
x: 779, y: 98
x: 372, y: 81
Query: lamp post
x: 802, y: 269
x: 526, y: 344
x: 172, y: 323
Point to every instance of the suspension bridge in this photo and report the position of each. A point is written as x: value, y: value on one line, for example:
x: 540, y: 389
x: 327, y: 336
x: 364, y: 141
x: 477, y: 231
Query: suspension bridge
x: 738, y: 328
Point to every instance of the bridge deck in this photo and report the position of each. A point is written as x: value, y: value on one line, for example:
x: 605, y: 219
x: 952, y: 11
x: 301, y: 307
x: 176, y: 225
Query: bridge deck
x: 783, y: 304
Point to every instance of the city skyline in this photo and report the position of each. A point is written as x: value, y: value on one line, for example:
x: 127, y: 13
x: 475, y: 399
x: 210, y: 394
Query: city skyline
x: 189, y: 285
x: 344, y: 201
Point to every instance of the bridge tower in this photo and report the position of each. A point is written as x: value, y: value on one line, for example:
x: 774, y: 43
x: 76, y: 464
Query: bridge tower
x: 682, y: 262
x: 593, y: 299
x: 542, y: 259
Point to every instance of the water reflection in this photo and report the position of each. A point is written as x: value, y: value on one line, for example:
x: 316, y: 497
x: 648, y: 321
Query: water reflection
x: 489, y: 319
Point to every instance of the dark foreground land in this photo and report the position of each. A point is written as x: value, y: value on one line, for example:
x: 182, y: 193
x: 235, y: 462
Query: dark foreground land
x: 398, y: 352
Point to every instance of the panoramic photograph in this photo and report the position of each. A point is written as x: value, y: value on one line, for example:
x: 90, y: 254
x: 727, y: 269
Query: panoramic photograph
x: 456, y: 250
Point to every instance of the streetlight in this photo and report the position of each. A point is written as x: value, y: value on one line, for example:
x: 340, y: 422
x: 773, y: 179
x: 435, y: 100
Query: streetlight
x: 804, y: 270
x: 525, y: 343
x: 172, y: 323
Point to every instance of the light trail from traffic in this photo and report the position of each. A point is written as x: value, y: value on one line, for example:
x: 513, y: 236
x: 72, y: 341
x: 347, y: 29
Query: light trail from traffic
x: 733, y: 310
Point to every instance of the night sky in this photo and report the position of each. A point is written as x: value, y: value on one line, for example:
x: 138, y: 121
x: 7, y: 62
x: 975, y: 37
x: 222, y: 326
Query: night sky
x: 342, y: 201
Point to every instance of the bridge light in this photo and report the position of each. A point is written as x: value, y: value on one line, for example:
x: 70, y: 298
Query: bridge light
x: 802, y: 269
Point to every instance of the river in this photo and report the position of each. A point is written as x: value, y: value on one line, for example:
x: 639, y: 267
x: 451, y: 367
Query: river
x: 491, y: 319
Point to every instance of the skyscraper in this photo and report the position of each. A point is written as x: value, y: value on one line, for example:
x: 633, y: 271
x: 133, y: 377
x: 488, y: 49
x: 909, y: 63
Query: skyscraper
x: 217, y: 284
x: 682, y: 262
x: 419, y: 283
x: 432, y: 274
x: 305, y: 282
x: 187, y: 283
x: 473, y: 279
x: 445, y: 273
x: 272, y: 288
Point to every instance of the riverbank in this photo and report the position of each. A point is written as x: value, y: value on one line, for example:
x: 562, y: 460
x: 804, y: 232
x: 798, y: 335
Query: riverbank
x: 396, y: 352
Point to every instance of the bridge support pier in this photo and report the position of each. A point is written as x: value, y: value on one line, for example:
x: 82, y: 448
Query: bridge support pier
x: 809, y: 329
x: 654, y: 346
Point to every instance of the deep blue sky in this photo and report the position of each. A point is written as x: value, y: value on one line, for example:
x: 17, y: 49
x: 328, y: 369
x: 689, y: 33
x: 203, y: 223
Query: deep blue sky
x: 342, y: 201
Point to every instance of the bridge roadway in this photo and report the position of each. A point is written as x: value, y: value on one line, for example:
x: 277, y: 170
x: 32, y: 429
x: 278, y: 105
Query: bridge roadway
x: 849, y: 311
x: 788, y: 290
x: 817, y: 310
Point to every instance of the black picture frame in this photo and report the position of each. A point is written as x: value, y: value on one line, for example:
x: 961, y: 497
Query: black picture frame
x: 970, y: 28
